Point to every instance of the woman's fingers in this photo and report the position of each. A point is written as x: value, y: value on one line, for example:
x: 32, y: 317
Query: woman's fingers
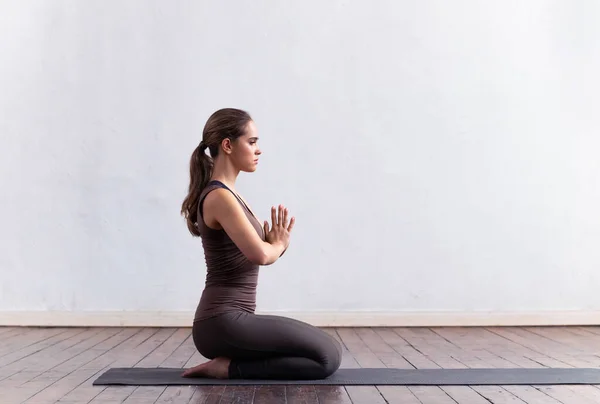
x: 273, y: 216
x: 280, y: 215
x: 285, y: 217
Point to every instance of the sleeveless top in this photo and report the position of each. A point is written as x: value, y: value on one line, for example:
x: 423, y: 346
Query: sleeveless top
x: 231, y: 278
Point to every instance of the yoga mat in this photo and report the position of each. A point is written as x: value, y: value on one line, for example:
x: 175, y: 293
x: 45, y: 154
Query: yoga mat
x: 369, y: 376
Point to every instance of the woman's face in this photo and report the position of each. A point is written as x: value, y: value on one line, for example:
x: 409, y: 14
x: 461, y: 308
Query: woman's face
x: 245, y: 150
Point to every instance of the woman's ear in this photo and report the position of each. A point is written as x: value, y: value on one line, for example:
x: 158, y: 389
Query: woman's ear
x: 226, y: 145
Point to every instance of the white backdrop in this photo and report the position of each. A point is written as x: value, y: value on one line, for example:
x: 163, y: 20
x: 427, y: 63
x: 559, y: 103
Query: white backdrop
x: 441, y: 158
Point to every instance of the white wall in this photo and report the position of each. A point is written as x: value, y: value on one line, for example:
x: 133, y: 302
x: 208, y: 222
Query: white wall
x: 441, y: 157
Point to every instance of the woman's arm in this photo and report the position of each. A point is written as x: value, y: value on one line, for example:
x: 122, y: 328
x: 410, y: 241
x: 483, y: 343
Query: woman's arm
x: 222, y: 206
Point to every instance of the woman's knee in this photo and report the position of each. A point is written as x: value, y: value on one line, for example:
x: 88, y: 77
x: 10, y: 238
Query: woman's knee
x: 332, y: 357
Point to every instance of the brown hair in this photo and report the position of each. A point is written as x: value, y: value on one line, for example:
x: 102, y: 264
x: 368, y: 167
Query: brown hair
x: 227, y: 123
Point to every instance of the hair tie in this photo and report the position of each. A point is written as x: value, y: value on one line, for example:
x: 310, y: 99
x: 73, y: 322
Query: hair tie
x: 202, y: 146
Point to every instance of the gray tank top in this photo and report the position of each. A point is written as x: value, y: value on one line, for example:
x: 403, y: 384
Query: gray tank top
x: 231, y: 279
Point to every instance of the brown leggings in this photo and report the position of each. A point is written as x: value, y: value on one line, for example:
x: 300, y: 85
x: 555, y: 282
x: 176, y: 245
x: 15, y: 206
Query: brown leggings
x: 268, y: 347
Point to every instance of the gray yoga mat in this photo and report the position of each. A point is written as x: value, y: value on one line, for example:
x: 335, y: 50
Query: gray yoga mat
x: 369, y: 376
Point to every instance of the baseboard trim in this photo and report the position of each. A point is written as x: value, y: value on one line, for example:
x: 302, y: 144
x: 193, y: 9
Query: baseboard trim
x: 320, y: 319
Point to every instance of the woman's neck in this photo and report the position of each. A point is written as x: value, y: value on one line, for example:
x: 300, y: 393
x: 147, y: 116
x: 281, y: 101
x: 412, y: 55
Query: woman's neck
x: 225, y: 172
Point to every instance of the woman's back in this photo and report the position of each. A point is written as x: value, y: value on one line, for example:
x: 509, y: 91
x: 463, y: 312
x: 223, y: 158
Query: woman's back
x: 231, y: 278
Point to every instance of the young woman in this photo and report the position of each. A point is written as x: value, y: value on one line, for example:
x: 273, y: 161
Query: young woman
x: 226, y: 329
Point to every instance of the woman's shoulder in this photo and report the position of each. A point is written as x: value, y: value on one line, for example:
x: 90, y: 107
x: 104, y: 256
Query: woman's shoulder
x: 216, y: 193
x: 211, y: 186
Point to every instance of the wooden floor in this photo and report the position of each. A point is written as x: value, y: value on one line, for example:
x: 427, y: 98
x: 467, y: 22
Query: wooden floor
x: 58, y: 365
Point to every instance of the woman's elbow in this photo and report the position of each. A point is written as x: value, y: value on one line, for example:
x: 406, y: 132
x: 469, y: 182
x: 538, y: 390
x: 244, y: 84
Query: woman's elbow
x: 259, y: 258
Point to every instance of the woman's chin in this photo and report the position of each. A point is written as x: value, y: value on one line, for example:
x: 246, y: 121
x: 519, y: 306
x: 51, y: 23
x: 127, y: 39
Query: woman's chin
x: 251, y: 169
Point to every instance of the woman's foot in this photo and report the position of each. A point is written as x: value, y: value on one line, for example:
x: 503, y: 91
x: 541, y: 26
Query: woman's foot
x: 217, y: 368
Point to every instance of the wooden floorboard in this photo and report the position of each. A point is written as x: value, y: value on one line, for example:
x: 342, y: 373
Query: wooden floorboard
x: 40, y: 365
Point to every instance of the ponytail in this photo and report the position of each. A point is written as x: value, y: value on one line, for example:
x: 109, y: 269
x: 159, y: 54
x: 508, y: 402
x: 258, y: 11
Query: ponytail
x: 201, y: 166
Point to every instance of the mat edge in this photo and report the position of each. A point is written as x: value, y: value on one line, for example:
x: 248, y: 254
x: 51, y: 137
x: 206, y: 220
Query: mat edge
x: 99, y: 381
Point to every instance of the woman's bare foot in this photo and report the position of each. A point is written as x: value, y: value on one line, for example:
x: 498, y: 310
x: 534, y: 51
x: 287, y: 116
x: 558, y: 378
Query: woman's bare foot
x: 217, y: 368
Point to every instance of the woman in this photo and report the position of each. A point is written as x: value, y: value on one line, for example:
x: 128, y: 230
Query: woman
x: 226, y: 330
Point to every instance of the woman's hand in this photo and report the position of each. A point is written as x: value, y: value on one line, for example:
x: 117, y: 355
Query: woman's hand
x: 280, y: 232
